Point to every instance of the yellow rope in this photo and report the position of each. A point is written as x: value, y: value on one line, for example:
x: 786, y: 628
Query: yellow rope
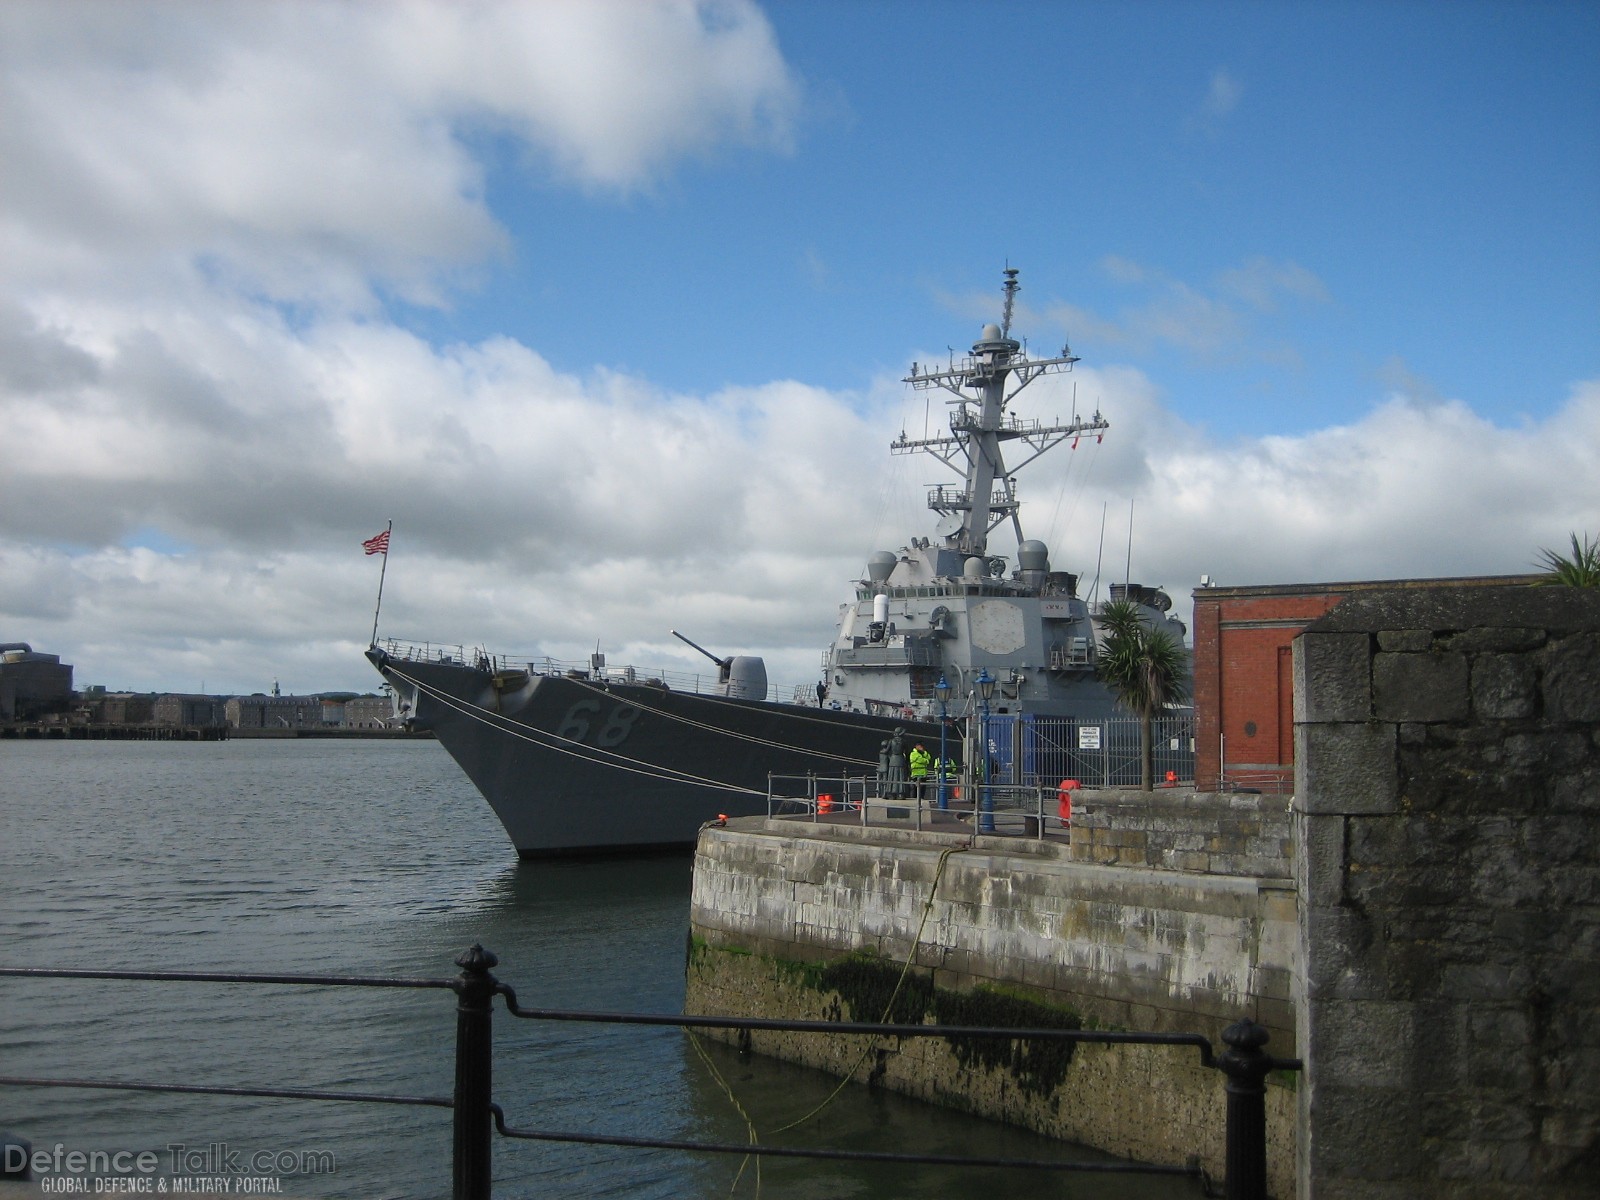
x: 750, y: 1126
x: 888, y: 1008
x: 893, y: 996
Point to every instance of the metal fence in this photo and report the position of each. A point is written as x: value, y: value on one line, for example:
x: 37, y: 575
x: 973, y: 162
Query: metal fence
x: 1028, y: 810
x: 1014, y: 787
x: 1099, y: 753
x: 476, y: 1116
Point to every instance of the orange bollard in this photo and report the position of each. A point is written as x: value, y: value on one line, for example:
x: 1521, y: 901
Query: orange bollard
x: 1064, y: 809
x: 824, y: 803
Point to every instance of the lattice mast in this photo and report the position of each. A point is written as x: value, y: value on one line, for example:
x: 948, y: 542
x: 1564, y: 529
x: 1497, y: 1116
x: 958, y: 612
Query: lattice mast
x: 980, y: 423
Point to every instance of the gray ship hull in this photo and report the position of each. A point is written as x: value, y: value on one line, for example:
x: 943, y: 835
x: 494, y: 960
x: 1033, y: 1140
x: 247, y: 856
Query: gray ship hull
x: 575, y: 767
x: 576, y: 761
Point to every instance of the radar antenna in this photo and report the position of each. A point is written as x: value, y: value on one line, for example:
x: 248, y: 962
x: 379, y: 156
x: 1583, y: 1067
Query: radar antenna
x: 1012, y: 288
x: 981, y: 424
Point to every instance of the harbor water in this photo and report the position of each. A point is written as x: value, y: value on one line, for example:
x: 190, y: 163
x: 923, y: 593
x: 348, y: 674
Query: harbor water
x: 378, y: 858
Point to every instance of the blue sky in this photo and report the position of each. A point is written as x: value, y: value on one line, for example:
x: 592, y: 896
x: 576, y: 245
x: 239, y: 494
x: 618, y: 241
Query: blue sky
x: 1433, y: 170
x: 606, y: 305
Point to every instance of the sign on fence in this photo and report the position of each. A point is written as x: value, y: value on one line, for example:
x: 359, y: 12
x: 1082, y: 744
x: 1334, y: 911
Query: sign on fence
x: 1088, y: 737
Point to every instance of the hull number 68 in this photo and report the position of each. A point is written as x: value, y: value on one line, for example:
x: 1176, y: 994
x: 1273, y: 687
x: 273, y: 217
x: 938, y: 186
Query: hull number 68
x: 583, y: 719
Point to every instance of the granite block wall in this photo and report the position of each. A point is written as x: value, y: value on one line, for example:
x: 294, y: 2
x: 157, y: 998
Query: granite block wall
x: 1447, y: 829
x: 1241, y: 834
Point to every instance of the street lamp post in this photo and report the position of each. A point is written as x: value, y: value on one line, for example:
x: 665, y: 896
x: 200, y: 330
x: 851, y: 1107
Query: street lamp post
x: 986, y: 684
x: 942, y: 690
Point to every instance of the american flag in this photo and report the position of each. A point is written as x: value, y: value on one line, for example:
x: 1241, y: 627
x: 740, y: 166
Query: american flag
x: 377, y: 545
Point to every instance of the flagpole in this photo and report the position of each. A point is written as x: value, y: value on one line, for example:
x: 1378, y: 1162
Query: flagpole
x: 381, y: 574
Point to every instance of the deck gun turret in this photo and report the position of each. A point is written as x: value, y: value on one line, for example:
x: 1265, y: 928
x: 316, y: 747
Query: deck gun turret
x: 740, y: 677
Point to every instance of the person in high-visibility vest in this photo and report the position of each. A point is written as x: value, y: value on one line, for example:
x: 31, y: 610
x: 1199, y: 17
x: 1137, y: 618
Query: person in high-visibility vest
x: 921, y: 765
x: 952, y: 780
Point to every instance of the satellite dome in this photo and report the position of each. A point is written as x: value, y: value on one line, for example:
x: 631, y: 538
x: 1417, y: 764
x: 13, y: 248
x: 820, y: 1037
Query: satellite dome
x: 1033, y: 555
x: 881, y: 565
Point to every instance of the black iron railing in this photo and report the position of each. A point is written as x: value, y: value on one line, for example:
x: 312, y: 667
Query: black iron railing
x: 476, y: 1115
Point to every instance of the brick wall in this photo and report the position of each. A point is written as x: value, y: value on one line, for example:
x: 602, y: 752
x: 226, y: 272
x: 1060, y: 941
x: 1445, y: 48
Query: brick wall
x: 1243, y: 681
x: 1243, y: 673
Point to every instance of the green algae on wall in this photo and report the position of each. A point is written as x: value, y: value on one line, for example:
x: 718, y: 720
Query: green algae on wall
x: 866, y: 987
x: 1154, y: 1103
x: 865, y: 984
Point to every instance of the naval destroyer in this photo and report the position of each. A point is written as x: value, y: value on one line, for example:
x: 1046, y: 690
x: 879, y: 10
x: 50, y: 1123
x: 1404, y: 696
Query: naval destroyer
x: 591, y: 759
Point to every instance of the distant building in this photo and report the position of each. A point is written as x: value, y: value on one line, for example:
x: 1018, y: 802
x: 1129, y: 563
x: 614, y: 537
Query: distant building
x: 207, y: 712
x: 32, y: 684
x: 1244, y: 675
x: 274, y: 712
x: 119, y: 708
x: 368, y: 712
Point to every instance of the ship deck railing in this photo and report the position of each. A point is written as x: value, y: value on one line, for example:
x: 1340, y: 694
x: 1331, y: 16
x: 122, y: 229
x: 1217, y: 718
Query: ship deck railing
x: 695, y: 682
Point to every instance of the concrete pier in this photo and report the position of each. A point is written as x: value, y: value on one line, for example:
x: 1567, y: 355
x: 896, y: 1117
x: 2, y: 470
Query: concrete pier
x: 812, y: 920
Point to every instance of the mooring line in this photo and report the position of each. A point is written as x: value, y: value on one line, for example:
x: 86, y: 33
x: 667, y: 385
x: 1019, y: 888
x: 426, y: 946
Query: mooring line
x: 849, y: 1075
x: 591, y: 754
x: 905, y: 971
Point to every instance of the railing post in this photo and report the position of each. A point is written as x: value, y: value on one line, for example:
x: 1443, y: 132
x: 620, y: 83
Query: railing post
x: 1246, y: 1066
x: 471, y: 1157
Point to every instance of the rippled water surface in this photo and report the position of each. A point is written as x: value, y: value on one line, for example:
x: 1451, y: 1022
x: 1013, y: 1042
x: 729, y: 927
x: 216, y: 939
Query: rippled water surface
x: 357, y: 857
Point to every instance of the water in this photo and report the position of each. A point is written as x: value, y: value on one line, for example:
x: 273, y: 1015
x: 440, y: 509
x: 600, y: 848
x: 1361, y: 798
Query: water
x: 360, y: 857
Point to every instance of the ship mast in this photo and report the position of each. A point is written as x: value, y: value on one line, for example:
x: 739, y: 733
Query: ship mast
x: 988, y: 496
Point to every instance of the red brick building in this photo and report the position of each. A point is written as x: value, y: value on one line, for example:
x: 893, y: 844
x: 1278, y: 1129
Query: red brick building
x: 1244, y: 677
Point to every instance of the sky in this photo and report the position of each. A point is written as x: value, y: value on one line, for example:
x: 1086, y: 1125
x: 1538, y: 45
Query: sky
x: 607, y: 305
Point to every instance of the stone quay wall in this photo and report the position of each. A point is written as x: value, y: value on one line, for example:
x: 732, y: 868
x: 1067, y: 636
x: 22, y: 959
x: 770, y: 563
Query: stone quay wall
x: 817, y: 921
x: 1244, y: 834
x: 1447, y: 825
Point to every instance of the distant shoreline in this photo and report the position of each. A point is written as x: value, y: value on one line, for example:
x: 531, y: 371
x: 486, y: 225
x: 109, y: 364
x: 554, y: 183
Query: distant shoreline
x: 391, y: 734
x: 35, y: 732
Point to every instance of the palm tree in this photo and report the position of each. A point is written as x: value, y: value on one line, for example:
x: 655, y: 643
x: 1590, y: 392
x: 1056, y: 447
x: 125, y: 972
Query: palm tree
x: 1147, y: 668
x: 1580, y: 570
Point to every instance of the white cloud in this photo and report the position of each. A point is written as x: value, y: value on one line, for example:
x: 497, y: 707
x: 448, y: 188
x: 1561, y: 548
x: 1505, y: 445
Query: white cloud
x: 613, y: 91
x: 546, y: 513
x: 1209, y: 321
x: 1222, y: 97
x: 1407, y: 491
x: 531, y: 508
x: 1223, y: 93
x: 305, y: 151
x: 204, y: 410
x: 202, y: 207
x: 1262, y: 283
